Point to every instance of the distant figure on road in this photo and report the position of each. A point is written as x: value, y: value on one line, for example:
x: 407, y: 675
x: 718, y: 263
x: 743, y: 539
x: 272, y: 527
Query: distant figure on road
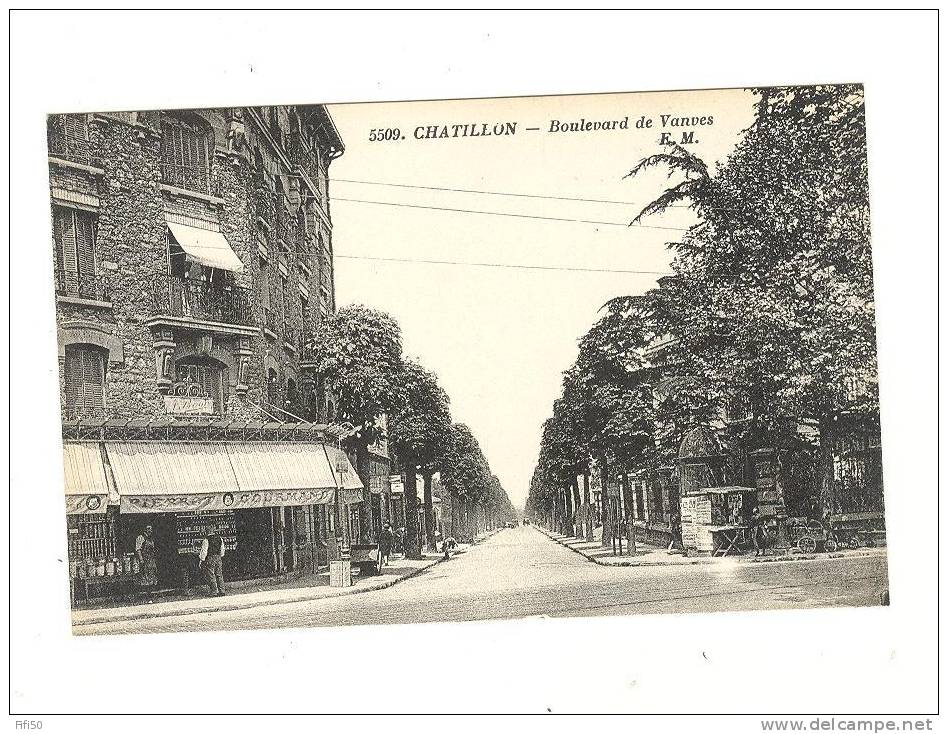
x: 447, y: 546
x: 386, y: 541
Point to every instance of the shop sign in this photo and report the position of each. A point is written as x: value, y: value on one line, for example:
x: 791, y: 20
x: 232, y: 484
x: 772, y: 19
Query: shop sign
x: 81, y: 504
x: 225, y: 500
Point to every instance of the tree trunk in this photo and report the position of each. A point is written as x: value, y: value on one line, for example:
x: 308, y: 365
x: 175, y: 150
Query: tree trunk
x: 429, y: 513
x: 606, y: 524
x: 454, y: 515
x: 828, y: 498
x: 587, y: 500
x: 627, y: 500
x: 411, y: 513
x: 367, y: 531
x: 577, y: 505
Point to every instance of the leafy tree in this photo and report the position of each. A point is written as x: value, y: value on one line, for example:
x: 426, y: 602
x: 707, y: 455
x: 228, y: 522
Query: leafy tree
x: 773, y: 298
x: 419, y: 434
x: 358, y: 351
x: 466, y: 475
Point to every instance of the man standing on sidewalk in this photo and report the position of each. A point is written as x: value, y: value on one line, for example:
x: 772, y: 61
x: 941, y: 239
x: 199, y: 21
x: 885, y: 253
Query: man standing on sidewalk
x: 212, y: 558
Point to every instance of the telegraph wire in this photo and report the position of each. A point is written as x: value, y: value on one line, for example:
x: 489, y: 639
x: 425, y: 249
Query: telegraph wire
x: 512, y: 266
x: 497, y: 193
x: 510, y: 214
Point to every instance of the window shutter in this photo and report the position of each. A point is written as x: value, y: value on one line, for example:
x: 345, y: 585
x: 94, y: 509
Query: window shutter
x: 85, y: 245
x: 67, y: 246
x: 72, y: 374
x: 76, y: 127
x: 264, y: 286
x: 93, y: 378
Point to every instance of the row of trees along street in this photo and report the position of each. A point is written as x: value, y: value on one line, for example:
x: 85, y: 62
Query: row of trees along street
x: 358, y: 357
x: 764, y: 331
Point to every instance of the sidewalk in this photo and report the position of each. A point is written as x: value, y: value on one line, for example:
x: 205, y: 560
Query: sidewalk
x: 248, y: 596
x: 649, y: 555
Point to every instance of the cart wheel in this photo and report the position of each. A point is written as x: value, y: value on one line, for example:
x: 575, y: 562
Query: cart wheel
x: 830, y: 545
x: 806, y: 544
x: 853, y: 542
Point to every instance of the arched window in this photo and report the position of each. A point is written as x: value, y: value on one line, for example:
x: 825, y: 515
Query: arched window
x: 84, y: 375
x: 202, y: 378
x: 186, y: 153
x: 291, y: 396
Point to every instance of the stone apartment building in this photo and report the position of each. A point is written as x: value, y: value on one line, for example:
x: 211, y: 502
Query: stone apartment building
x: 193, y: 256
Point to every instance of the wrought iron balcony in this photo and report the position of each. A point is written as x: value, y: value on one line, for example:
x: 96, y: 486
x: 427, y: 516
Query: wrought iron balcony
x: 191, y: 178
x: 201, y: 301
x: 290, y: 335
x: 82, y: 285
x: 270, y: 321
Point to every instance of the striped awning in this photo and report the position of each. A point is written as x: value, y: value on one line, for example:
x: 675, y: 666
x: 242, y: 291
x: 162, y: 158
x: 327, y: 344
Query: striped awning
x: 87, y: 487
x: 178, y: 476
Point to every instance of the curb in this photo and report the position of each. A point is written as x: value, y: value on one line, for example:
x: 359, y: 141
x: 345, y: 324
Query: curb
x: 254, y: 603
x: 865, y: 553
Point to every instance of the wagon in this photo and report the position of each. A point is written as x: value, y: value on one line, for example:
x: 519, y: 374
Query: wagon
x: 857, y: 529
x: 808, y: 535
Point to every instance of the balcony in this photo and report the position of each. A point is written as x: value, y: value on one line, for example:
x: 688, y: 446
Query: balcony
x: 291, y: 337
x: 189, y: 178
x: 270, y: 322
x: 191, y: 301
x: 83, y: 286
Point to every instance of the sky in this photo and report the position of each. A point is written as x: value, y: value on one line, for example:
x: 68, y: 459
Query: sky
x: 499, y: 338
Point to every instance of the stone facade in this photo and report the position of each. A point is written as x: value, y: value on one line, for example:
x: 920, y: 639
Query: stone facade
x: 257, y: 176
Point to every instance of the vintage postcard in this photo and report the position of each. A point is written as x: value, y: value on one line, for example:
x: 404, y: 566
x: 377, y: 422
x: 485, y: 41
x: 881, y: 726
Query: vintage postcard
x: 481, y: 359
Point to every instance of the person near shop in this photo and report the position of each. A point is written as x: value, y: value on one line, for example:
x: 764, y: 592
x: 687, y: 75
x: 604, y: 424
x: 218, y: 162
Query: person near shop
x: 212, y: 559
x: 147, y: 559
x: 386, y: 541
x: 757, y: 532
x: 190, y: 566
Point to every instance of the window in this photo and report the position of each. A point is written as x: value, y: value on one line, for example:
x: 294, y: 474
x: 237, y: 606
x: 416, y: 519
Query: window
x: 84, y: 375
x: 304, y: 312
x: 67, y: 134
x: 74, y: 232
x: 185, y: 154
x: 202, y: 379
x: 290, y: 394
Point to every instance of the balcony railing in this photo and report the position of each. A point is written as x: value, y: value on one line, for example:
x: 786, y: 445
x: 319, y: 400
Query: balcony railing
x: 270, y: 321
x: 82, y: 285
x: 191, y: 178
x: 290, y: 335
x: 201, y: 301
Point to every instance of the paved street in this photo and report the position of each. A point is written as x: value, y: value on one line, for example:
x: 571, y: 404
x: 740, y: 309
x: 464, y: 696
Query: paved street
x: 521, y: 572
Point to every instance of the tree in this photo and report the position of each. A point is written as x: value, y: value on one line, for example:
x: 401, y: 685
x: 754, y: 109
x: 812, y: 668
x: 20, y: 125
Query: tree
x: 358, y: 352
x: 773, y: 297
x: 419, y: 434
x: 466, y: 475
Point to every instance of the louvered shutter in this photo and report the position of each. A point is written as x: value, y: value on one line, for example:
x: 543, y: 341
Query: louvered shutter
x: 85, y: 248
x: 264, y: 286
x: 72, y: 376
x: 93, y: 379
x: 67, y: 249
x: 76, y: 127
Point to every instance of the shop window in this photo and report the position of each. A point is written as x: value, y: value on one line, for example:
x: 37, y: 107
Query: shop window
x: 74, y: 231
x: 204, y: 382
x: 186, y: 149
x: 84, y: 375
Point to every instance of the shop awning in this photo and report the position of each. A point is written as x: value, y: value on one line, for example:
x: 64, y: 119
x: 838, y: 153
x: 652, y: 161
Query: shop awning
x: 175, y: 476
x: 87, y: 487
x: 206, y: 246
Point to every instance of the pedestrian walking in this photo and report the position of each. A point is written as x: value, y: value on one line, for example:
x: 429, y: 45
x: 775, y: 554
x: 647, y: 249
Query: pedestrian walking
x: 386, y: 541
x: 147, y: 559
x: 212, y: 558
x: 758, y: 536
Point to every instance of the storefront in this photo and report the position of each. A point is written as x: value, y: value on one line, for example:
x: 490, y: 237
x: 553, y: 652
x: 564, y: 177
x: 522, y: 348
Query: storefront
x: 274, y: 504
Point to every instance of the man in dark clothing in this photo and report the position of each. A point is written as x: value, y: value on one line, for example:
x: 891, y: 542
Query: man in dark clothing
x: 386, y: 540
x: 212, y: 556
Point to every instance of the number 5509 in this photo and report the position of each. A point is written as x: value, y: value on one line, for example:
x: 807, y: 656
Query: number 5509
x: 388, y: 133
